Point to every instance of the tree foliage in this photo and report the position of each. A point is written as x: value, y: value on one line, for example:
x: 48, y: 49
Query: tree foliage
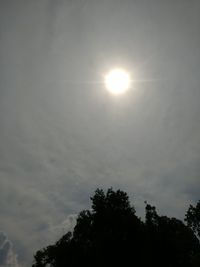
x: 111, y: 234
x: 193, y: 218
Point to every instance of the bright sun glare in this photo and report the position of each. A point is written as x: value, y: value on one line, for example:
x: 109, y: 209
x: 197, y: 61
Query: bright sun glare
x: 117, y: 81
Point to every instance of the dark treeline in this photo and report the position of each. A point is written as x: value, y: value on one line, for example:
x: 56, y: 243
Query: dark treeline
x: 111, y: 234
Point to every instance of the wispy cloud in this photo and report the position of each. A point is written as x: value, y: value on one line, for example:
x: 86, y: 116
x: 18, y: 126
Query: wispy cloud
x: 8, y: 257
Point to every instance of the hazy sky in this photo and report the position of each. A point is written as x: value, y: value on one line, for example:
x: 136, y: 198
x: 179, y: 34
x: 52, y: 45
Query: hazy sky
x: 62, y: 134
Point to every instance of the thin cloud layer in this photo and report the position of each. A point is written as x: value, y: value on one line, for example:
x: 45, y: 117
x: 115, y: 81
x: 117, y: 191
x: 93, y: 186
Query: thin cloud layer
x: 62, y: 135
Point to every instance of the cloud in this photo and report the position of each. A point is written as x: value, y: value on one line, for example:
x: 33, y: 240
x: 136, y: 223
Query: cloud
x: 59, y: 141
x: 8, y: 257
x: 56, y: 231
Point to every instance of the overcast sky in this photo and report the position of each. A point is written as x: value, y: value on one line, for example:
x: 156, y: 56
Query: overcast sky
x: 62, y: 134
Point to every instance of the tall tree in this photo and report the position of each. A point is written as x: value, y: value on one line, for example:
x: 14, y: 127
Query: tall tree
x: 111, y: 234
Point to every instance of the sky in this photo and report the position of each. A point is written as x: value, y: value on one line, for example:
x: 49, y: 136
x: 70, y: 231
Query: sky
x: 62, y: 134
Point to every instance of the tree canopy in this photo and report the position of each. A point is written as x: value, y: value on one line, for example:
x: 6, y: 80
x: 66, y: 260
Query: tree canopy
x: 193, y: 218
x: 111, y: 234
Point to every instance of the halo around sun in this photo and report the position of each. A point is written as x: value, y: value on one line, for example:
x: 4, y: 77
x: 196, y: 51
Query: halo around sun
x: 117, y: 81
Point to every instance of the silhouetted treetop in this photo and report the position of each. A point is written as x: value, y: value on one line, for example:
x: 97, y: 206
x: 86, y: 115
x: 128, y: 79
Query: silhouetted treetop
x: 111, y: 201
x: 111, y: 234
x: 192, y: 218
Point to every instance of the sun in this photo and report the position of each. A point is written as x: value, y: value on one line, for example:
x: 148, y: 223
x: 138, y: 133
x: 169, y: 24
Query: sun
x: 117, y: 81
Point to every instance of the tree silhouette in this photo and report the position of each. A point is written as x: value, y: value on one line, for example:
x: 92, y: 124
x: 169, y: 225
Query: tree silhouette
x: 172, y: 240
x: 193, y: 218
x: 111, y: 234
